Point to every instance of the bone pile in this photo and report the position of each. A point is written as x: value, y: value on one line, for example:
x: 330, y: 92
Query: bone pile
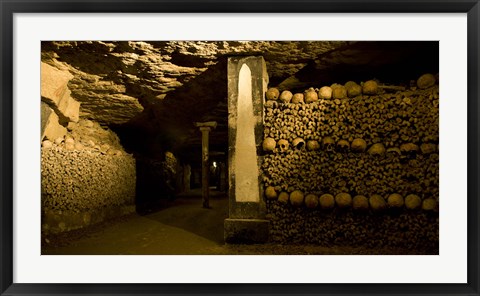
x: 415, y: 231
x: 80, y: 174
x: 366, y: 148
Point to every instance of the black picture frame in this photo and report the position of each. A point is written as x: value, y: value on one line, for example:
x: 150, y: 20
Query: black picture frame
x: 9, y: 7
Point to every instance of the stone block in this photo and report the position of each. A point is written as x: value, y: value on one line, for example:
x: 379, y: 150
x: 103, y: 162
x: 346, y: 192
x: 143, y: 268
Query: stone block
x: 56, y: 94
x: 246, y: 231
x: 54, y: 83
x: 68, y: 108
x: 52, y: 128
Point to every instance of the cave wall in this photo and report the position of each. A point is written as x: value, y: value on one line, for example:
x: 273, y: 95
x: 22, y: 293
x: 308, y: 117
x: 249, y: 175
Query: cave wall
x: 324, y: 185
x: 145, y: 91
x: 86, y: 176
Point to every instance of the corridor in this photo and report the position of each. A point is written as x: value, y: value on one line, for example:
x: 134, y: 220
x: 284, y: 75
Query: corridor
x: 181, y: 227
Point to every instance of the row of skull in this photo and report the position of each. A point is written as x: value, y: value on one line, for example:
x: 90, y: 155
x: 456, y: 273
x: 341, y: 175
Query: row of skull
x: 375, y: 202
x: 358, y: 146
x: 337, y: 91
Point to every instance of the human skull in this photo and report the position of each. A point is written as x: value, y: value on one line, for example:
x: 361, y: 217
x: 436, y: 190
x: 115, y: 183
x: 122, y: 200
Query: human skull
x: 325, y: 93
x: 311, y: 95
x: 298, y: 143
x: 359, y: 145
x: 377, y: 150
x: 328, y: 144
x: 283, y: 197
x: 313, y: 145
x: 270, y: 193
x: 409, y: 149
x: 269, y: 145
x: 353, y: 89
x: 339, y: 91
x: 297, y: 98
x: 425, y: 81
x: 377, y: 202
x: 311, y: 201
x: 427, y: 148
x: 326, y: 201
x: 283, y: 145
x: 286, y: 96
x: 343, y: 146
x: 429, y: 204
x: 393, y: 152
x: 272, y: 94
x: 270, y: 104
x: 360, y: 202
x: 370, y: 87
x: 395, y: 200
x: 297, y: 198
x: 343, y: 200
x: 413, y: 202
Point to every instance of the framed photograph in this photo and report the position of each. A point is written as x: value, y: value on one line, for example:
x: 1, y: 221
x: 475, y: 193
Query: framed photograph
x: 235, y: 147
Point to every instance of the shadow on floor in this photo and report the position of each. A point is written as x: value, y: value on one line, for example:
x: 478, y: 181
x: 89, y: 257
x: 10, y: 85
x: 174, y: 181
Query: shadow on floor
x: 186, y: 212
x: 178, y: 227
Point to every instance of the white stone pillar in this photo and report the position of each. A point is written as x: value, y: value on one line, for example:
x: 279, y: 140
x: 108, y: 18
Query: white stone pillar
x: 247, y: 83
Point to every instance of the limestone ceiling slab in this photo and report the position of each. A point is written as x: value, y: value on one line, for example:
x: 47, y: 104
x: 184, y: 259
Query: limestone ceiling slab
x: 163, y: 87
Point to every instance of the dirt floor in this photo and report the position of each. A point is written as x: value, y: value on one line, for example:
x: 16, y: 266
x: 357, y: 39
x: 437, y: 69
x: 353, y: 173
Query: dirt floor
x: 178, y: 227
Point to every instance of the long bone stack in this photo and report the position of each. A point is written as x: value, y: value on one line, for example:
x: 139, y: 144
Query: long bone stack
x: 367, y: 150
x: 362, y: 139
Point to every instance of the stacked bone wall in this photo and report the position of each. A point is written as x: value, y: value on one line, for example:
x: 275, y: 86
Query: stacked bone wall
x: 86, y: 178
x: 353, y: 165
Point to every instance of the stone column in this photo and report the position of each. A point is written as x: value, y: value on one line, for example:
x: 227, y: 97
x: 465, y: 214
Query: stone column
x: 247, y: 83
x: 205, y: 128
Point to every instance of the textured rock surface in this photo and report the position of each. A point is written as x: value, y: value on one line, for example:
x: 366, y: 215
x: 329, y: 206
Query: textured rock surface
x: 126, y: 73
x: 54, y: 83
x: 162, y: 87
x: 51, y: 128
x: 56, y: 94
x: 158, y: 89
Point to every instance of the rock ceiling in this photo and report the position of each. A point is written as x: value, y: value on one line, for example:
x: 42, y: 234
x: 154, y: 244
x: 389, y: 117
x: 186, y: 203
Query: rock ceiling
x: 151, y: 92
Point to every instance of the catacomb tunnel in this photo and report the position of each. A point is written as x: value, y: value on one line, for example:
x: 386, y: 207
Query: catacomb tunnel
x: 240, y: 147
